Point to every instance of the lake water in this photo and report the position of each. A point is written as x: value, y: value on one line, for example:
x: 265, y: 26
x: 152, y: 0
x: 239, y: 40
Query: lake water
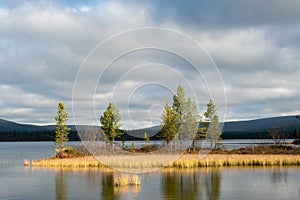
x: 224, y: 144
x: 19, y: 182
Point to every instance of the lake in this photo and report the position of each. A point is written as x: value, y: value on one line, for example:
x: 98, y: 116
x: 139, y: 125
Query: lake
x: 223, y: 144
x: 19, y: 182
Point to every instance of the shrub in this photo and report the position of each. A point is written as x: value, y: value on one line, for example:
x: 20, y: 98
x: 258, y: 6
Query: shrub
x: 80, y: 150
x: 132, y: 145
x: 69, y: 150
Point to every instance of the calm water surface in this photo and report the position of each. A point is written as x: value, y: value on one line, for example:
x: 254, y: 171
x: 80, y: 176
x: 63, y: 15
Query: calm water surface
x: 18, y: 182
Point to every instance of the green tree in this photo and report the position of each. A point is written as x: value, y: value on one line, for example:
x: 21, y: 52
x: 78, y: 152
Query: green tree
x: 62, y: 131
x: 133, y: 145
x: 146, y: 138
x: 110, y: 122
x: 179, y: 102
x: 169, y: 124
x: 178, y: 107
x: 190, y: 121
x: 213, y: 127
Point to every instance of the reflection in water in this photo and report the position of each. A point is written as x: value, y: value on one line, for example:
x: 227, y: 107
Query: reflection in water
x: 93, y: 180
x: 180, y: 184
x: 60, y: 185
x: 191, y: 184
x: 213, y: 184
x: 108, y: 189
x: 279, y: 175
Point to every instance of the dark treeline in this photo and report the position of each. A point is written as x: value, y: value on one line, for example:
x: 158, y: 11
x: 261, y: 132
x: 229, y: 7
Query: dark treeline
x: 132, y: 135
x: 34, y: 136
x: 252, y: 135
x: 50, y: 135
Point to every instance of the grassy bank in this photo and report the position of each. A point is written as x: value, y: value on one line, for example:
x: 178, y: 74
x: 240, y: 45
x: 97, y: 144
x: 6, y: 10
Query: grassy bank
x: 145, y: 161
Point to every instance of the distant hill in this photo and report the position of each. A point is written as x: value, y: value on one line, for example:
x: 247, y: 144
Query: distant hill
x: 259, y: 128
x: 12, y: 131
x: 251, y: 129
x: 262, y: 124
x: 9, y: 126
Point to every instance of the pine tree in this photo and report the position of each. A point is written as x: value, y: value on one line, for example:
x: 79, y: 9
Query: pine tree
x: 213, y: 127
x: 169, y: 124
x: 178, y: 107
x: 179, y: 102
x: 211, y: 110
x: 110, y: 122
x: 190, y: 122
x: 62, y: 131
x: 146, y: 138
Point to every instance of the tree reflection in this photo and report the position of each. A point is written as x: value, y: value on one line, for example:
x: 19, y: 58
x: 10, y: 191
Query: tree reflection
x: 108, y: 189
x: 279, y: 175
x: 180, y: 185
x: 212, y: 182
x: 92, y: 178
x: 193, y: 184
x: 60, y: 185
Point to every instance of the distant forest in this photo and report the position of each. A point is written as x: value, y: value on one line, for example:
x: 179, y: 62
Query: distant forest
x: 73, y: 136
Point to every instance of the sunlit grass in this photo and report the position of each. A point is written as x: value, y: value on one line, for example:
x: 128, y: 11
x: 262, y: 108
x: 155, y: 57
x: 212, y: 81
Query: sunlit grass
x: 26, y: 163
x: 190, y: 161
x: 153, y: 161
x: 126, y: 179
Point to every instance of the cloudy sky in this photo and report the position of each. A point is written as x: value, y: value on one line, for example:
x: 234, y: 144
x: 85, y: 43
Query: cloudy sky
x: 87, y: 53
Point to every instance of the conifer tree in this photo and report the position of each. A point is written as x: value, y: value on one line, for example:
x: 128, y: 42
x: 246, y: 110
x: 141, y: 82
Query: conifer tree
x: 62, y: 131
x: 179, y: 102
x: 178, y: 107
x: 146, y: 138
x: 110, y: 121
x: 169, y: 124
x: 190, y: 119
x: 213, y: 127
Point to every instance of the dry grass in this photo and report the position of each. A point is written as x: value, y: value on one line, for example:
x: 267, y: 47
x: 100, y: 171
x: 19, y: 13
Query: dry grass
x: 153, y: 161
x: 83, y: 162
x: 26, y: 163
x: 214, y: 160
x: 126, y: 179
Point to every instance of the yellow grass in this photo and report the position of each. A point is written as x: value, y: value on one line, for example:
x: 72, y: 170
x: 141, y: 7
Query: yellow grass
x: 219, y: 160
x: 126, y: 179
x: 152, y: 161
x: 26, y: 163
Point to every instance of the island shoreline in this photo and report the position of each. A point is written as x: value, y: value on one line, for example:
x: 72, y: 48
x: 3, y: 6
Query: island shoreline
x: 156, y: 161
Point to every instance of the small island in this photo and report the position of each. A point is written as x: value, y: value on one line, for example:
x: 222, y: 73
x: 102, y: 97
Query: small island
x: 179, y: 124
x: 257, y: 156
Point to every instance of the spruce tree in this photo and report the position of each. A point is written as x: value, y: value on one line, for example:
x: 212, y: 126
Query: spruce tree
x: 178, y: 107
x: 213, y: 127
x: 62, y: 131
x: 146, y: 138
x: 190, y: 120
x: 169, y: 124
x: 110, y: 122
x: 179, y: 102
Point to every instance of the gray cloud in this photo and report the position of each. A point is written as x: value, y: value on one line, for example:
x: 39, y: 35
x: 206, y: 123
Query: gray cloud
x: 255, y: 45
x: 226, y: 14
